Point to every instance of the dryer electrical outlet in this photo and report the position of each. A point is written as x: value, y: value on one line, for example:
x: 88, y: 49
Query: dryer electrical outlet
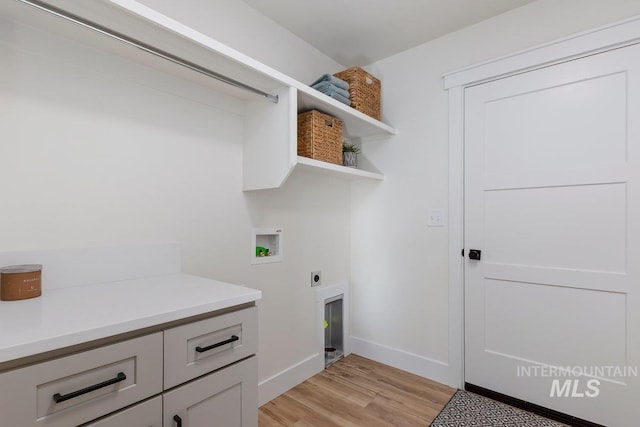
x: 316, y: 278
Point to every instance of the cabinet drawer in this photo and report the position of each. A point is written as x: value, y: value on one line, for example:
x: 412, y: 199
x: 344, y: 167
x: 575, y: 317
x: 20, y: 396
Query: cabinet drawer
x: 79, y: 388
x: 147, y: 414
x: 198, y: 348
x: 226, y: 398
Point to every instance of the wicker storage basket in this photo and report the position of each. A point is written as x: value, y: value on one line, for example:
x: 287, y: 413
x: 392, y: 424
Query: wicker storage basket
x: 320, y: 137
x: 364, y: 91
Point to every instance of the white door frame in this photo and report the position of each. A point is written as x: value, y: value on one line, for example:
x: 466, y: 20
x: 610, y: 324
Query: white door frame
x: 620, y: 34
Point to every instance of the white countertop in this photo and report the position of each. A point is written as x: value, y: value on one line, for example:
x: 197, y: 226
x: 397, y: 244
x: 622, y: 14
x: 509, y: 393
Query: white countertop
x: 69, y: 316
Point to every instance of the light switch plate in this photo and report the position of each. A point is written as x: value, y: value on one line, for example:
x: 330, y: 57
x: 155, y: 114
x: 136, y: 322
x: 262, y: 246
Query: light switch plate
x: 436, y: 218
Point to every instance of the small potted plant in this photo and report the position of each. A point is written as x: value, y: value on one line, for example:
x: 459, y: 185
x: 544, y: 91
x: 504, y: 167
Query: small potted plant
x: 350, y: 155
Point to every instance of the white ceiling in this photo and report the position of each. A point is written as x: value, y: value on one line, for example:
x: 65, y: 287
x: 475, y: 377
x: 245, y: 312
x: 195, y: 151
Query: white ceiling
x: 359, y: 32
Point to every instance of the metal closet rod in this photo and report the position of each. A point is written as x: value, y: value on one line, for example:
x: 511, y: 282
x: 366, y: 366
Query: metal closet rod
x: 147, y: 48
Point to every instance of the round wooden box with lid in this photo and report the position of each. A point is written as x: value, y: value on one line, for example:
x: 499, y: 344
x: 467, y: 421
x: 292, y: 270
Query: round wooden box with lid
x: 20, y: 282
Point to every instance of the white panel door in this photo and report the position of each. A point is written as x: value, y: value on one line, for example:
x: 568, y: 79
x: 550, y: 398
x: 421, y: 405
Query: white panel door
x: 552, y: 199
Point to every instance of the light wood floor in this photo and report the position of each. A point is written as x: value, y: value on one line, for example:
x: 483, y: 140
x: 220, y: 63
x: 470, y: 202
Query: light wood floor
x: 358, y: 392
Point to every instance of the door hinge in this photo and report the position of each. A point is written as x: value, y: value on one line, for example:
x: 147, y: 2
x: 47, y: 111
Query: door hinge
x: 462, y: 252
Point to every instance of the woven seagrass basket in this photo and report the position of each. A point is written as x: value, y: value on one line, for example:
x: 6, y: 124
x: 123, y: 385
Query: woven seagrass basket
x: 364, y: 91
x: 320, y: 137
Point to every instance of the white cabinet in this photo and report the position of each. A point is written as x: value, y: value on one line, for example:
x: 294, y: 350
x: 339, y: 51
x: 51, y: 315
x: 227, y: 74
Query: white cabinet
x: 270, y: 129
x: 75, y: 389
x: 146, y: 414
x: 226, y: 398
x: 220, y: 353
x: 143, y: 375
x: 198, y: 348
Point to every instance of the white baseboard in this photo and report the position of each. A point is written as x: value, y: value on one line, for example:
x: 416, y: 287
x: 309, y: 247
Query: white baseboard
x: 410, y: 362
x: 274, y: 386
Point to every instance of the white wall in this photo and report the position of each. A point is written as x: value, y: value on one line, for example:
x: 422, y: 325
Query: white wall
x: 399, y: 265
x: 99, y: 151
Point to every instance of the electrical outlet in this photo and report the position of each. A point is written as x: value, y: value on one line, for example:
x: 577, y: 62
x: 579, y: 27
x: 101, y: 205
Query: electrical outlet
x: 316, y: 278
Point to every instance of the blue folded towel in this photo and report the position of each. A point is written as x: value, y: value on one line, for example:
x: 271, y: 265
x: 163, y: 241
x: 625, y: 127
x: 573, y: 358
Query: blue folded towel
x: 333, y: 80
x: 328, y: 88
x: 340, y: 98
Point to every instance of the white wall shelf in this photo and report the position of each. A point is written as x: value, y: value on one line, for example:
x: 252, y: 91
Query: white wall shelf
x: 343, y: 172
x: 270, y: 144
x: 357, y: 125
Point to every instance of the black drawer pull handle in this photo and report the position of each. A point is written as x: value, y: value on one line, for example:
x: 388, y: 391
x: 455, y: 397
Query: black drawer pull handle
x: 178, y: 420
x: 218, y: 344
x: 62, y: 397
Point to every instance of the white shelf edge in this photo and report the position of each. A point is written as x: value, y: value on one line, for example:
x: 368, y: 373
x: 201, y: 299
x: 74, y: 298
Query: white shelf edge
x: 305, y: 163
x: 341, y: 109
x: 140, y: 10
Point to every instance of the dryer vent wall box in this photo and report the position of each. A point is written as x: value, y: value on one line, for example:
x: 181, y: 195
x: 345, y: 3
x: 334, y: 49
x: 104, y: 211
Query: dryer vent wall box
x: 266, y: 245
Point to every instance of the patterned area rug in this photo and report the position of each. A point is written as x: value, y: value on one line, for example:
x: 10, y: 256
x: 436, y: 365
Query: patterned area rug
x: 469, y: 409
